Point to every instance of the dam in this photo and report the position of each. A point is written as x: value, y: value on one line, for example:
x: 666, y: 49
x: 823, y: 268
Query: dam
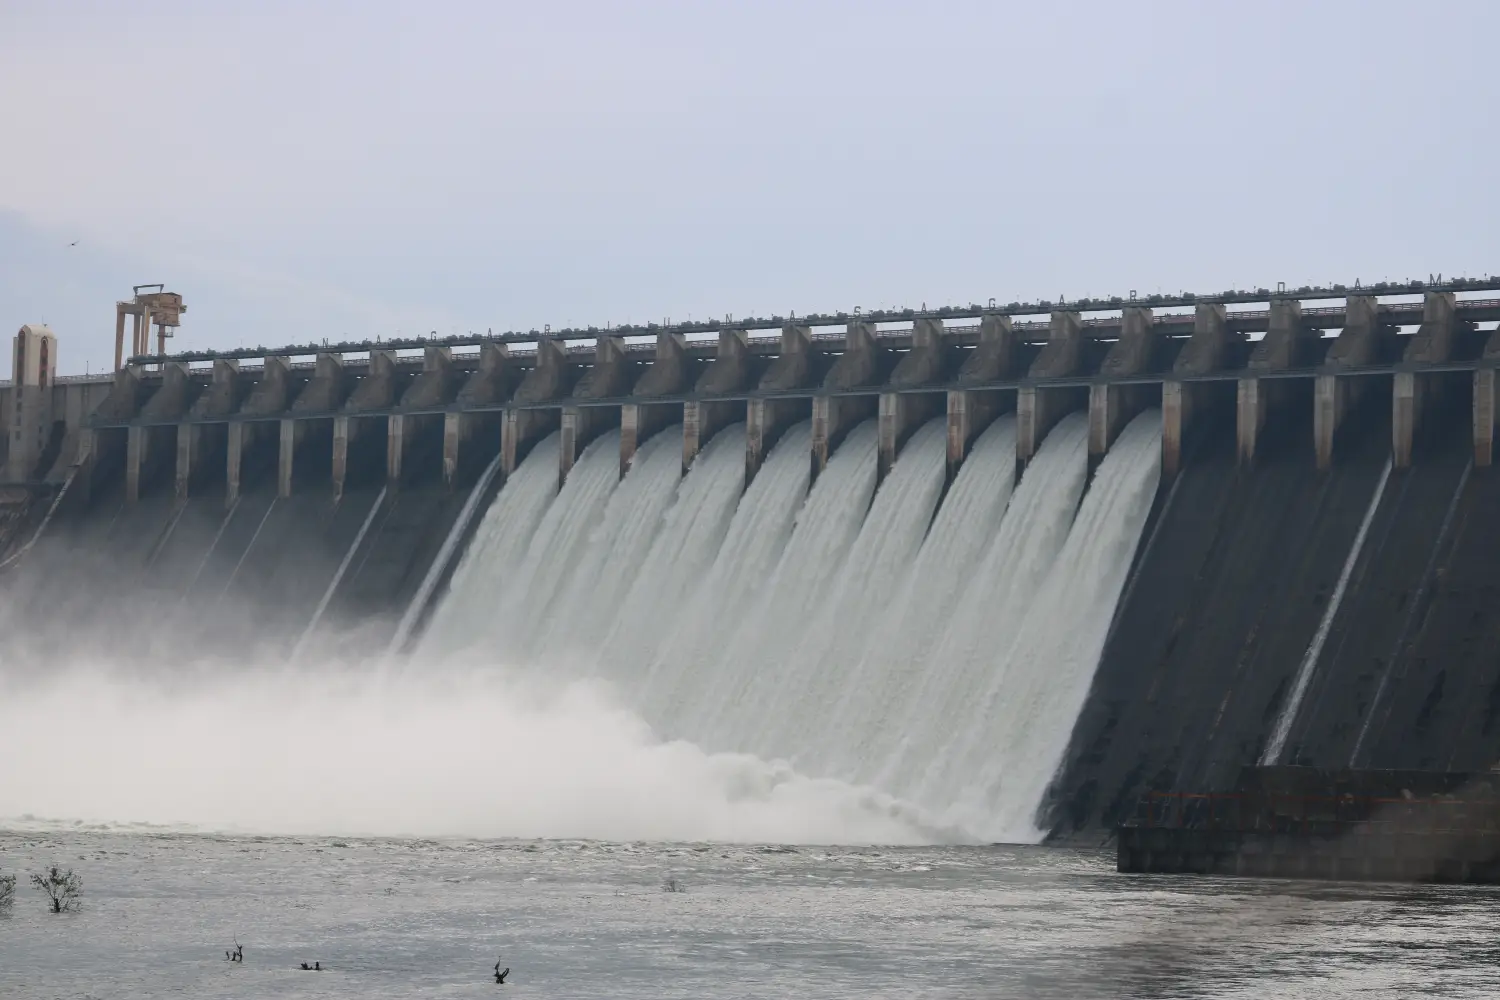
x: 1014, y: 566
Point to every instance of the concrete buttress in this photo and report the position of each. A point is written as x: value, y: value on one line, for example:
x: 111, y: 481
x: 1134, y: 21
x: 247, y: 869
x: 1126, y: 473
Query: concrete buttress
x: 729, y: 373
x: 834, y: 415
x: 766, y: 418
x: 1039, y: 408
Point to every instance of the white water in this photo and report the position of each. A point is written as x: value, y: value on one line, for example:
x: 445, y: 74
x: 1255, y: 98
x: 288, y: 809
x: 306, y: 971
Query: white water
x: 426, y: 752
x: 612, y: 557
x: 494, y: 555
x: 1046, y: 672
x: 896, y: 663
x: 513, y: 624
x: 824, y: 670
x: 936, y: 652
x: 749, y: 680
x: 681, y: 675
x: 942, y: 731
x: 690, y: 535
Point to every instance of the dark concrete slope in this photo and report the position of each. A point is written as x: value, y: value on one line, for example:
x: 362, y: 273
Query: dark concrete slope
x: 1438, y: 705
x: 391, y: 561
x: 1385, y: 616
x: 159, y: 579
x: 1224, y: 601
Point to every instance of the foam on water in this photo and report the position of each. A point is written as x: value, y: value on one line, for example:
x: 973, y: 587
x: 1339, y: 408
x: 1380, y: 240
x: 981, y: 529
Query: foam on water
x: 424, y: 752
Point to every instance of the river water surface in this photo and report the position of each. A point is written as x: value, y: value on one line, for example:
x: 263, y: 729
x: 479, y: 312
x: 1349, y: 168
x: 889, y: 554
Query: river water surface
x: 423, y: 918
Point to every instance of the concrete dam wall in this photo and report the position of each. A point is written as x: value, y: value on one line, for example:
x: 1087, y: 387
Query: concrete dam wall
x: 1009, y: 575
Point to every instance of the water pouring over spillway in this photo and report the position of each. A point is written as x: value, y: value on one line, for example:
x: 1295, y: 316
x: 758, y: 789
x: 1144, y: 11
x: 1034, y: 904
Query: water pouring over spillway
x: 934, y: 644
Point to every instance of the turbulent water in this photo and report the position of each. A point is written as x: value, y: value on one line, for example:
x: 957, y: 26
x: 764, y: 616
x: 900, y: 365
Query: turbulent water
x: 428, y: 919
x: 661, y: 656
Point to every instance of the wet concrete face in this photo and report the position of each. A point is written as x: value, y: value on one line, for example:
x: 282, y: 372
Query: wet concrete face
x: 161, y: 580
x: 1230, y: 589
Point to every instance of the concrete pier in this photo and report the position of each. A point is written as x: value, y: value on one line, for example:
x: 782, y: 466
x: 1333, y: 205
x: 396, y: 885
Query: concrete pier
x: 519, y: 430
x: 1112, y: 405
x: 234, y: 458
x: 1485, y: 409
x: 1206, y: 351
x: 291, y: 434
x: 970, y: 411
x: 668, y: 376
x: 1431, y: 344
x: 328, y: 388
x: 580, y: 425
x: 901, y: 413
x: 1039, y: 408
x: 766, y: 419
x: 1283, y: 347
x: 638, y: 422
x: 729, y: 373
x: 137, y: 451
x: 701, y: 421
x: 273, y: 391
x: 1359, y: 343
x: 834, y: 415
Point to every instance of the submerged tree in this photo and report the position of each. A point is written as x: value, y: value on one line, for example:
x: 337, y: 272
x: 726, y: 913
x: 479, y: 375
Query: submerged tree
x: 63, y: 886
x: 7, y: 892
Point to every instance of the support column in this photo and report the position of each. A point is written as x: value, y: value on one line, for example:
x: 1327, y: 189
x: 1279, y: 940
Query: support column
x: 638, y: 421
x: 1176, y: 413
x: 455, y: 430
x: 1038, y: 409
x: 119, y: 335
x: 1112, y: 405
x: 832, y: 418
x: 1207, y: 350
x: 235, y: 463
x: 189, y: 441
x: 1250, y: 417
x: 765, y: 421
x: 1484, y: 417
x: 1281, y: 348
x: 137, y: 446
x: 395, y: 448
x: 701, y: 421
x: 900, y: 414
x: 1406, y: 405
x: 970, y: 411
x: 342, y: 431
x: 1330, y: 397
x: 580, y: 425
x: 1431, y: 344
x: 519, y: 430
x: 291, y: 433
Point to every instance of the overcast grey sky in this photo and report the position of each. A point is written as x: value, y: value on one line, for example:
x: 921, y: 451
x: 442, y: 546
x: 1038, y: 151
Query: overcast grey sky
x: 308, y: 170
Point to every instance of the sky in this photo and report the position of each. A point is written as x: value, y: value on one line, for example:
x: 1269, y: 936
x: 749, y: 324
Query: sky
x: 307, y: 170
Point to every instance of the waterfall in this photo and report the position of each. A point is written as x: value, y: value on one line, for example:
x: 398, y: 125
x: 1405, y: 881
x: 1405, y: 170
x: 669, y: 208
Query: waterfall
x: 939, y: 728
x: 687, y: 669
x: 491, y: 561
x: 1050, y: 664
x: 691, y: 532
x: 753, y: 673
x: 935, y: 645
